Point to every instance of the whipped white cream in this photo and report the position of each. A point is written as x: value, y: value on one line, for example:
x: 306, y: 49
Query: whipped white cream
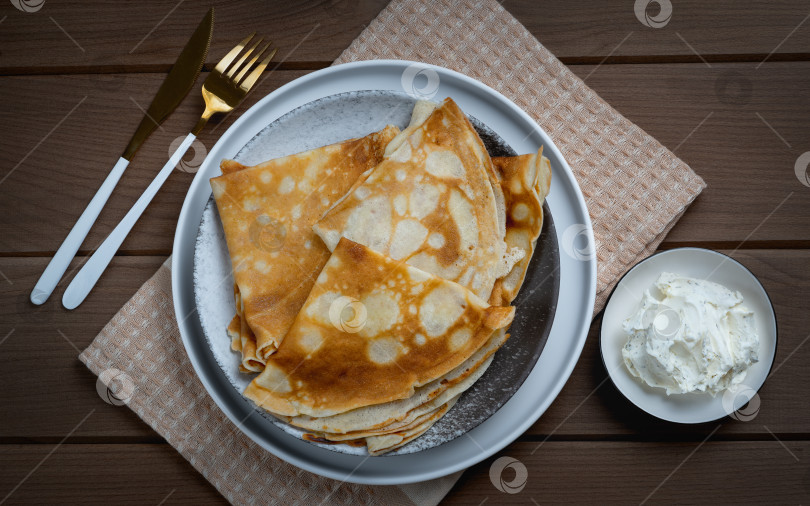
x: 696, y: 337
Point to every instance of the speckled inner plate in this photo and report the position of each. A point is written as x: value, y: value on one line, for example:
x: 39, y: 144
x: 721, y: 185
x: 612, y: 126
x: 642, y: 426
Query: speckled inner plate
x: 336, y: 118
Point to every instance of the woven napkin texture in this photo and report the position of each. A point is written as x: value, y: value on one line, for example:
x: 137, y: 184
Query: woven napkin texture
x: 634, y: 187
x: 142, y: 341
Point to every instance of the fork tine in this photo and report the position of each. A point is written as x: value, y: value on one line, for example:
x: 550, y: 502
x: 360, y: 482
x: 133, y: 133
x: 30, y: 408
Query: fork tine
x: 228, y: 58
x: 242, y: 58
x: 250, y: 64
x: 251, y: 79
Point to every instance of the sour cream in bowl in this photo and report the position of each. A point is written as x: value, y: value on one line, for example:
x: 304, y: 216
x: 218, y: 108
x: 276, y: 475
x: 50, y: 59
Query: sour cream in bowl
x: 689, y: 335
x: 697, y: 337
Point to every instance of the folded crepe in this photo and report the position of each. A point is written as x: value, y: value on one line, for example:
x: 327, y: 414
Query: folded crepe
x: 267, y: 213
x: 425, y: 399
x: 372, y: 331
x: 522, y: 183
x: 525, y: 180
x: 434, y: 202
x: 242, y: 338
x: 383, y: 443
x: 408, y: 423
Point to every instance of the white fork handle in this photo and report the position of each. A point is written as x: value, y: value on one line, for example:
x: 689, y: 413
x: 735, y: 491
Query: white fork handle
x: 87, y: 277
x: 61, y: 260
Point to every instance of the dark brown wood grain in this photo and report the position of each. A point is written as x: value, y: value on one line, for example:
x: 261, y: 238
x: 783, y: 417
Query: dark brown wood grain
x: 722, y: 30
x: 727, y: 122
x: 146, y: 36
x: 558, y: 472
x: 589, y: 406
x: 101, y: 474
x: 49, y: 338
x: 46, y: 185
x: 731, y: 148
x: 656, y: 473
x: 74, y: 75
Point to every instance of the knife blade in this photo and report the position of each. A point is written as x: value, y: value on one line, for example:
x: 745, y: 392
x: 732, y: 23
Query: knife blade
x: 177, y: 84
x: 175, y: 87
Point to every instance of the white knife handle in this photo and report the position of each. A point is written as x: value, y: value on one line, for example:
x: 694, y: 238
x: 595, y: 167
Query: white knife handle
x: 87, y: 277
x: 61, y: 260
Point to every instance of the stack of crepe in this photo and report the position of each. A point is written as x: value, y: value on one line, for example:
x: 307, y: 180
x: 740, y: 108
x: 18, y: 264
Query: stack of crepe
x: 374, y: 277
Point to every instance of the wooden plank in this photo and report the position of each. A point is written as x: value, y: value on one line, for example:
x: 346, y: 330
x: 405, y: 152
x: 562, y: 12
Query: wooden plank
x: 740, y: 128
x: 314, y: 33
x: 46, y: 186
x: 101, y: 474
x: 557, y: 472
x: 46, y: 340
x: 725, y: 29
x: 581, y: 411
x: 734, y: 150
x: 148, y: 35
x: 634, y: 473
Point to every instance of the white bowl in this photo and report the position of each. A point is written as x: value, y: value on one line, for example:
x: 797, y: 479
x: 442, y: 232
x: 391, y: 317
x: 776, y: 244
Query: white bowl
x: 693, y: 407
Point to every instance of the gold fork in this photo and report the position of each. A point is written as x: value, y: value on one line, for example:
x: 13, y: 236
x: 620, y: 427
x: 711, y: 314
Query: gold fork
x: 223, y: 90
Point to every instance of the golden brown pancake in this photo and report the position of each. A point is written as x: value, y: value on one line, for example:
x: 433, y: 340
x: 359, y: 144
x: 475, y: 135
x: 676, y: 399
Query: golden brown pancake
x: 426, y: 398
x: 379, y: 445
x: 267, y: 213
x: 243, y: 340
x: 520, y: 185
x: 410, y: 421
x: 433, y: 202
x: 384, y: 442
x: 525, y: 181
x: 371, y: 331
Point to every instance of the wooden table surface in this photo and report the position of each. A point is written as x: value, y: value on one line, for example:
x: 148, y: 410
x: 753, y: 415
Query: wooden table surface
x: 725, y: 85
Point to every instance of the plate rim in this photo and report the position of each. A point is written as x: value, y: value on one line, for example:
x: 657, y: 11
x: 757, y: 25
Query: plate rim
x: 710, y: 418
x: 585, y: 300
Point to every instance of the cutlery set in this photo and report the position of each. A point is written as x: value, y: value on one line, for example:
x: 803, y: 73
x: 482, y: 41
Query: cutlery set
x: 223, y: 90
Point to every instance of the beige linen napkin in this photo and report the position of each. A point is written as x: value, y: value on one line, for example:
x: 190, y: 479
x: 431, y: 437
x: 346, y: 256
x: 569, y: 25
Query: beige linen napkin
x: 635, y: 188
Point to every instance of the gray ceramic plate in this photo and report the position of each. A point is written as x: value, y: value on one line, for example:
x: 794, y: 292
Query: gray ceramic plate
x: 324, y: 121
x: 577, y: 273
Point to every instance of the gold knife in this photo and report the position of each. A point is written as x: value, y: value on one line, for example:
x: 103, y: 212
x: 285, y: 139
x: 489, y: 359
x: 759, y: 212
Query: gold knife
x: 175, y: 87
